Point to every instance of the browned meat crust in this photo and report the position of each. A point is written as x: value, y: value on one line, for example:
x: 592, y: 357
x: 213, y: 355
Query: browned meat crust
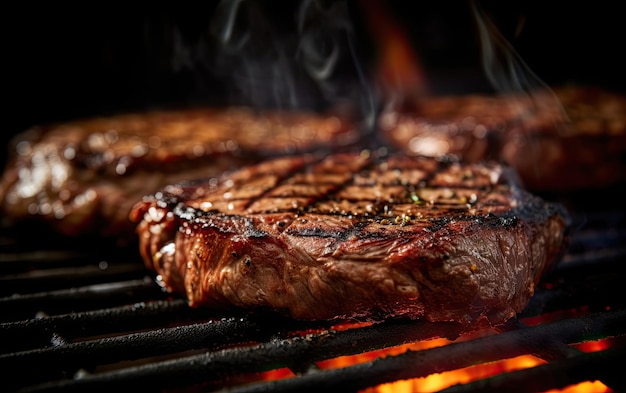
x: 571, y: 138
x: 83, y: 177
x: 352, y: 236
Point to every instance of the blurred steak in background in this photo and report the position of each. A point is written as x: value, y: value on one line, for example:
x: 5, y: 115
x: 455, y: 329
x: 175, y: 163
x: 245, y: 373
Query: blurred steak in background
x: 81, y: 178
x: 567, y: 138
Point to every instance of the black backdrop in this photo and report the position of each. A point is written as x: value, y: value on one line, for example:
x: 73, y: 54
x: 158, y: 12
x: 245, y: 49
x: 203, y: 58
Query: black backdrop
x: 63, y: 62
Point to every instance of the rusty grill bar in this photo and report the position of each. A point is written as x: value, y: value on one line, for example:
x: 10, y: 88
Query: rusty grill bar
x: 82, y: 322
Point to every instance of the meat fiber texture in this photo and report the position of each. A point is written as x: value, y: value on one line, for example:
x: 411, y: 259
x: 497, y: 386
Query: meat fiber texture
x: 81, y: 178
x: 567, y: 138
x: 354, y: 236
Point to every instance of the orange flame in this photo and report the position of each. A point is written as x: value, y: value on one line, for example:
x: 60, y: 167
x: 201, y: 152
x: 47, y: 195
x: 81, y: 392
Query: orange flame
x: 398, y: 67
x: 436, y: 382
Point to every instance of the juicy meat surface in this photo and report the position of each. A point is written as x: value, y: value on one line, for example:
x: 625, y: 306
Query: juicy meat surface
x: 354, y: 236
x: 569, y: 138
x: 83, y: 177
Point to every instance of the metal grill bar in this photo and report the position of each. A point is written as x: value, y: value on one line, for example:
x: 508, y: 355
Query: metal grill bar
x: 109, y: 321
x: 219, y: 366
x: 263, y: 357
x: 109, y: 294
x: 449, y: 357
x: 19, y: 260
x: 596, y: 292
x: 62, y: 277
x: 55, y: 362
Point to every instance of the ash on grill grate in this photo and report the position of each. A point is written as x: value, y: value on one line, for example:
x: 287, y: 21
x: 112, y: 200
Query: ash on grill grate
x: 86, y: 321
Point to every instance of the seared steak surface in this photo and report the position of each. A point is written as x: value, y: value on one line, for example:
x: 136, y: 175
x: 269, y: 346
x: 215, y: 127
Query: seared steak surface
x: 567, y: 139
x: 354, y: 236
x: 83, y: 177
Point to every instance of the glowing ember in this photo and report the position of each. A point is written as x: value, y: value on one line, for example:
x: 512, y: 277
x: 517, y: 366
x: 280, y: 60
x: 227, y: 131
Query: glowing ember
x: 439, y: 381
x: 345, y: 361
x: 436, y: 382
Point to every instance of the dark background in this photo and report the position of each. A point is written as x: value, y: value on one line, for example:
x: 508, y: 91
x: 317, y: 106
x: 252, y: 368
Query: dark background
x: 62, y: 63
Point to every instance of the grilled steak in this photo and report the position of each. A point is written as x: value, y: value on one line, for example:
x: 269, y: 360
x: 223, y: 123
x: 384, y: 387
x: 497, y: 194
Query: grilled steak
x: 584, y: 149
x: 83, y: 177
x: 354, y: 236
x: 569, y: 139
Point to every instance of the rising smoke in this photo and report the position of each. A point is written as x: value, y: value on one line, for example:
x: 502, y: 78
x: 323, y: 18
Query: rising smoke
x: 280, y: 54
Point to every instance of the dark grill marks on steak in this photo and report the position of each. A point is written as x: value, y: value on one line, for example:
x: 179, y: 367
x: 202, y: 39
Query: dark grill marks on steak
x: 354, y: 236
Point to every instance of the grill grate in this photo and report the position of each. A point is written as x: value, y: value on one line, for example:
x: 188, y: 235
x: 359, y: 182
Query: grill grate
x: 85, y: 322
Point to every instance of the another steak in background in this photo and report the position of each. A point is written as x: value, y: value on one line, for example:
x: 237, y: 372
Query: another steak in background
x: 567, y: 139
x: 355, y: 236
x: 81, y: 178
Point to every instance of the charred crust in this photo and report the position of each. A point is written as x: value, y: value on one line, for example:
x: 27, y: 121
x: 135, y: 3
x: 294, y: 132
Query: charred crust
x: 534, y: 209
x: 357, y: 231
x: 317, y: 232
x: 437, y: 224
x: 223, y: 223
x: 492, y: 220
